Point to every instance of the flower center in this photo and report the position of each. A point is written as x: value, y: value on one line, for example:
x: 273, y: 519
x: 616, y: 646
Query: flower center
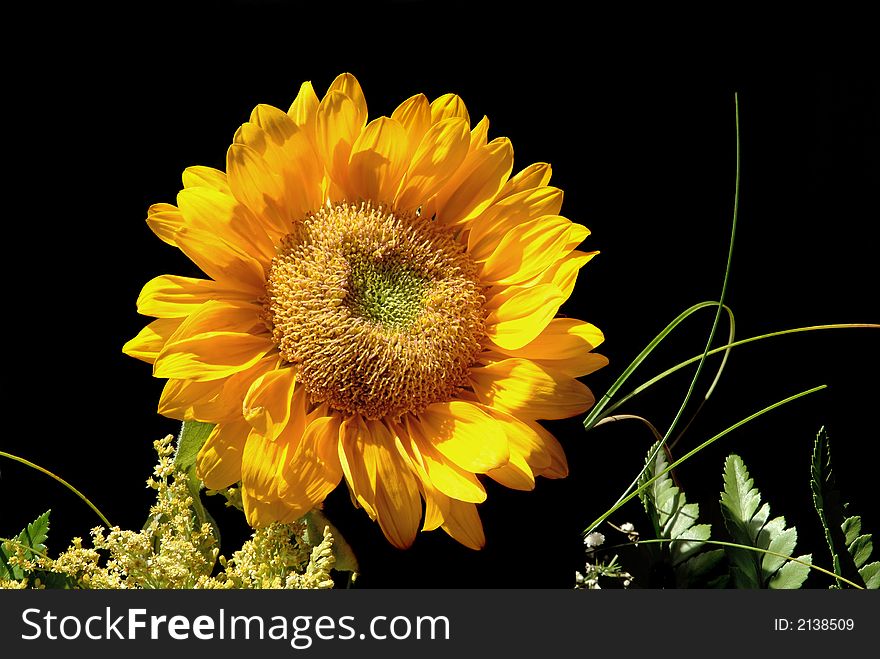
x: 381, y: 313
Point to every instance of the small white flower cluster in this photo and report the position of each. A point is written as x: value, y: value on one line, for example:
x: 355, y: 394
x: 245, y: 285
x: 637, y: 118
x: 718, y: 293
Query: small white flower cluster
x: 594, y: 569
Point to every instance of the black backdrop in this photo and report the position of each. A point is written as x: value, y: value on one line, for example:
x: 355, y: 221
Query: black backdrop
x: 636, y: 115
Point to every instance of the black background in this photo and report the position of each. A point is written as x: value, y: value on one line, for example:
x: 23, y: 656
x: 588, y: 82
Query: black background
x: 636, y: 114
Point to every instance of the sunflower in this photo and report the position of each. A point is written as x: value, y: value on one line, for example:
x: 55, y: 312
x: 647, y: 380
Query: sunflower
x: 379, y: 306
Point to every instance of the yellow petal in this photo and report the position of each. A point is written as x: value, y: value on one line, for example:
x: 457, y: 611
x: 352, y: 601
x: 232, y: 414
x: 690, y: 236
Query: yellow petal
x: 348, y: 85
x: 337, y: 127
x: 449, y: 105
x: 358, y: 462
x: 170, y: 296
x: 563, y: 274
x: 558, y: 467
x: 516, y: 474
x: 480, y: 134
x: 565, y: 346
x: 149, y: 342
x: 255, y: 183
x: 474, y: 186
x: 446, y: 476
x: 533, y: 176
x: 206, y: 177
x: 262, y: 513
x: 398, y: 504
x: 315, y: 470
x: 527, y: 250
x: 180, y: 399
x: 305, y: 107
x: 462, y: 522
x: 519, y: 314
x: 487, y: 230
x: 465, y: 435
x: 217, y: 258
x: 215, y: 341
x: 522, y: 439
x: 219, y: 461
x: 414, y: 114
x: 377, y: 161
x: 441, y: 152
x: 268, y: 402
x: 525, y: 390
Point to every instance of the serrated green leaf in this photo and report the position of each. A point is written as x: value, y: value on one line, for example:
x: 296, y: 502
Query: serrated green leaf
x: 791, y: 575
x: 871, y: 574
x: 672, y: 517
x: 861, y: 549
x: 739, y: 500
x: 745, y: 518
x: 852, y: 529
x: 33, y: 536
x: 839, y: 532
x: 776, y: 538
x: 697, y: 567
x: 190, y: 441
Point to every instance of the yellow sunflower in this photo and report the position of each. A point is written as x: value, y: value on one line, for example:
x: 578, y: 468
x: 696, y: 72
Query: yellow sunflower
x: 380, y: 307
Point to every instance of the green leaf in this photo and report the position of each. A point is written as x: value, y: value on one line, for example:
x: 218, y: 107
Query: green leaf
x: 871, y: 574
x: 190, y: 441
x: 746, y: 521
x: 861, y: 549
x: 852, y: 529
x: 673, y: 518
x: 839, y: 532
x: 791, y: 575
x: 696, y: 569
x: 33, y: 536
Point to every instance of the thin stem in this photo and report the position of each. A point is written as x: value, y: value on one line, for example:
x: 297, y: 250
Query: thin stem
x: 729, y: 346
x: 722, y: 543
x: 70, y: 487
x: 696, y: 450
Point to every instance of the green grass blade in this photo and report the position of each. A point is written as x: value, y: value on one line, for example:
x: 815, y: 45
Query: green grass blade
x: 694, y: 451
x: 70, y: 487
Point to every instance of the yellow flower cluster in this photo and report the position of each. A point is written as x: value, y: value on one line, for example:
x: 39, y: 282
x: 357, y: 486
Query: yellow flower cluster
x: 174, y: 551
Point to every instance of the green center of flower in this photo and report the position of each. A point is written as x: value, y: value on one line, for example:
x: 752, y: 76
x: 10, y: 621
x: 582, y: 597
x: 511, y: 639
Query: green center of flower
x: 386, y: 293
x: 380, y: 313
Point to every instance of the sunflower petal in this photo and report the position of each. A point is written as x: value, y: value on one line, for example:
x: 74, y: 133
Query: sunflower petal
x: 149, y: 342
x: 349, y: 85
x: 304, y: 108
x: 337, y: 127
x: 516, y: 474
x: 449, y: 105
x: 465, y: 435
x: 441, y: 152
x: 505, y: 214
x: 444, y: 475
x: 170, y: 296
x: 525, y: 390
x: 215, y: 341
x: 462, y: 522
x: 206, y: 177
x: 474, y: 186
x: 414, y: 114
x: 565, y: 346
x: 315, y: 470
x: 528, y: 249
x: 217, y: 258
x: 378, y: 160
x: 558, y: 467
x: 398, y: 504
x: 218, y: 464
x: 358, y: 462
x: 536, y: 175
x: 268, y: 402
x: 519, y: 314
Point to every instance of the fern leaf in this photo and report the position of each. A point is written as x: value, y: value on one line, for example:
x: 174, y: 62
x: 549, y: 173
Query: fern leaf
x: 747, y: 522
x: 675, y: 519
x: 33, y: 536
x: 871, y: 574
